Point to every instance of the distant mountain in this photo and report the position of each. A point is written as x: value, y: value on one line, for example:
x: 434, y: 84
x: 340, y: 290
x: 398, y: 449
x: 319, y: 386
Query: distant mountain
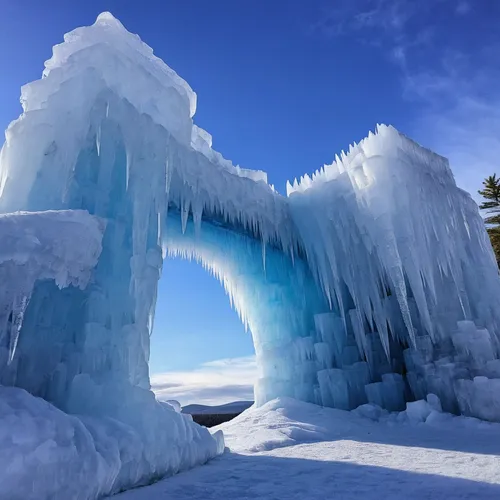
x: 235, y: 407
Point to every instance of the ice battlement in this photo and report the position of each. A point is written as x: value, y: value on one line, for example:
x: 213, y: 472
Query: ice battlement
x: 387, y: 142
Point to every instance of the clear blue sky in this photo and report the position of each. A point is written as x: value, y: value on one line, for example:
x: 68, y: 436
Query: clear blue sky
x: 282, y: 86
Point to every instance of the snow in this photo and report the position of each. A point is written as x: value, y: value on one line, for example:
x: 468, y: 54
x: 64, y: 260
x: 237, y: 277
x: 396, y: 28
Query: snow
x: 289, y: 449
x: 371, y: 283
x: 46, y: 453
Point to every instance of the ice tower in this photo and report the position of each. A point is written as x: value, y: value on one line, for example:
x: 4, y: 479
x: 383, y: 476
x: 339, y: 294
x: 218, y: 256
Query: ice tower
x: 372, y: 281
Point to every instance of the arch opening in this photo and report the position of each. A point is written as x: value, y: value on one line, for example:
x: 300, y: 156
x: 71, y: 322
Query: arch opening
x: 275, y: 297
x: 200, y: 351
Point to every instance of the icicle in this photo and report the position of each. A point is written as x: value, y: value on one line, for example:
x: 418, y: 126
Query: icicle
x: 98, y: 140
x: 127, y: 180
x: 197, y: 210
x: 263, y: 243
x: 18, y: 309
x: 185, y: 214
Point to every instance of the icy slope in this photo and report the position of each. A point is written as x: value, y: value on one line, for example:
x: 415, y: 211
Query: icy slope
x: 288, y: 449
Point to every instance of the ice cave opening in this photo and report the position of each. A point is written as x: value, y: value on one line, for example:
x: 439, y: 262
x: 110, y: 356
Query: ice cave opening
x: 373, y: 280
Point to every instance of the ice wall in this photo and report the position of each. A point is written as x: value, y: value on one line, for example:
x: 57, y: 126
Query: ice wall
x: 82, y: 145
x: 373, y: 281
x: 403, y: 257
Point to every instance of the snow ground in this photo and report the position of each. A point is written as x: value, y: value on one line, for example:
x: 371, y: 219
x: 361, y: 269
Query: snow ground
x: 292, y: 450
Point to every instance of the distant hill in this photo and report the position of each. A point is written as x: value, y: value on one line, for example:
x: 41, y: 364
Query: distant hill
x: 229, y: 408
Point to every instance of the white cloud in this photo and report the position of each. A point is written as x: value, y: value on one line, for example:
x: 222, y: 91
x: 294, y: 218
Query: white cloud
x: 213, y: 383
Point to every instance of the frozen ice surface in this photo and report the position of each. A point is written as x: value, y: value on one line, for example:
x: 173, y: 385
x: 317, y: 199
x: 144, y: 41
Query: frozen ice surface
x: 60, y: 246
x: 372, y: 282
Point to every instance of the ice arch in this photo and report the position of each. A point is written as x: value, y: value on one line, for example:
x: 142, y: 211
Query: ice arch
x: 372, y: 281
x: 275, y: 296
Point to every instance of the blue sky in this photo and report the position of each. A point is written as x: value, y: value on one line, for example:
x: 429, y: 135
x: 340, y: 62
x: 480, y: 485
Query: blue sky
x: 282, y: 86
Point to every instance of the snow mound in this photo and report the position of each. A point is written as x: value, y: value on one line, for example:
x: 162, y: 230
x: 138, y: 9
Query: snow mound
x: 354, y: 458
x: 46, y: 453
x: 286, y: 422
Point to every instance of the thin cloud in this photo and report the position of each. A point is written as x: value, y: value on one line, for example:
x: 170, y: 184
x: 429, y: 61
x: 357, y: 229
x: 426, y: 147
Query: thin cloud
x: 463, y: 8
x: 468, y: 134
x: 373, y: 20
x: 213, y: 383
x: 461, y: 112
x: 456, y: 83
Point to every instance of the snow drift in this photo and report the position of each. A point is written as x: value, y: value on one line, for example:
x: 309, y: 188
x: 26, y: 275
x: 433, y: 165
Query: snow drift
x: 290, y: 449
x: 372, y: 282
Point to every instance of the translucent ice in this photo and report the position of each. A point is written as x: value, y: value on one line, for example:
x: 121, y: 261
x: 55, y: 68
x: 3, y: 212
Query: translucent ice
x: 372, y: 281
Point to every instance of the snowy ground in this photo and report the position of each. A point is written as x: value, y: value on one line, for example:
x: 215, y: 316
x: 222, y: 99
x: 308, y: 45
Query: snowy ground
x: 292, y: 450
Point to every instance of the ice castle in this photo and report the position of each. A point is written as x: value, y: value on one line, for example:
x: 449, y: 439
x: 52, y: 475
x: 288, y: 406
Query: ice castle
x: 372, y: 281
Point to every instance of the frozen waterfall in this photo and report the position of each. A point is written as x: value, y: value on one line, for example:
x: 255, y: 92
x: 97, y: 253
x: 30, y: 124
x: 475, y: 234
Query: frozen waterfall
x: 372, y: 281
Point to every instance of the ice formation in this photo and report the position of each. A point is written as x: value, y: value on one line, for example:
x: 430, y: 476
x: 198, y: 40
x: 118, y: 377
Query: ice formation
x: 59, y: 246
x: 371, y: 282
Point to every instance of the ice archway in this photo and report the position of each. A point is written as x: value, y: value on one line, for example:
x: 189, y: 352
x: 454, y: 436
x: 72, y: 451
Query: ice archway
x: 372, y: 281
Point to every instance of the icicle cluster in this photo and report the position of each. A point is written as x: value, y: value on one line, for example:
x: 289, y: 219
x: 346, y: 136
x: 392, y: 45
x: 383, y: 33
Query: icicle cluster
x: 387, y: 219
x: 373, y: 281
x: 404, y: 260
